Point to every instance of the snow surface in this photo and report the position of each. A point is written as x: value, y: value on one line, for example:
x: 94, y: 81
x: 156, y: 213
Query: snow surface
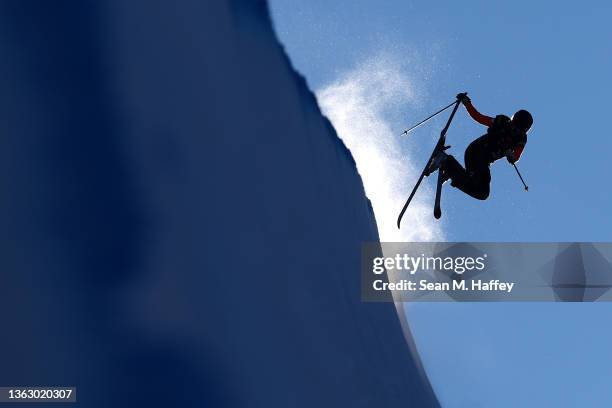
x: 180, y: 224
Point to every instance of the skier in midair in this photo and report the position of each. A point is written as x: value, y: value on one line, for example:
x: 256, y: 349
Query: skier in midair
x: 505, y: 137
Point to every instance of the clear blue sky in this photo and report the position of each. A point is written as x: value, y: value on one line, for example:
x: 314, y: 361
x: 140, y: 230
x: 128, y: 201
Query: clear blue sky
x: 553, y: 59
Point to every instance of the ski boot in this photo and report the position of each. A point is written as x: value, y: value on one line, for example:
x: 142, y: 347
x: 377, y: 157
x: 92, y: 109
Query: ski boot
x: 437, y: 160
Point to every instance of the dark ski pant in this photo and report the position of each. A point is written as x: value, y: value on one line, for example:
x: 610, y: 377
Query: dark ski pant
x: 475, y: 178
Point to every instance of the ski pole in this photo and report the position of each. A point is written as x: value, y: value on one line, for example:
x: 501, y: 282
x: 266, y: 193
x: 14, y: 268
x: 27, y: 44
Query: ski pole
x: 405, y: 132
x: 521, y: 177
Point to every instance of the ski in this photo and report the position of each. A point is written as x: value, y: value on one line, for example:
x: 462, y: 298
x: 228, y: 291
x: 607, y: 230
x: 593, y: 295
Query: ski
x: 437, y: 208
x: 426, y: 172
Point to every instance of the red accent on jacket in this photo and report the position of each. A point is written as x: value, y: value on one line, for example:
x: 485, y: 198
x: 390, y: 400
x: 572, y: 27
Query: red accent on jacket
x: 518, y: 150
x: 477, y: 116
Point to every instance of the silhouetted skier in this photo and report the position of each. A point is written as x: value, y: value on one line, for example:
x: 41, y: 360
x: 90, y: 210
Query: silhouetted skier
x: 505, y: 137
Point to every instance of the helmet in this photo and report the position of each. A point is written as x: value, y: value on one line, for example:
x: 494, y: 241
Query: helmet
x: 523, y: 120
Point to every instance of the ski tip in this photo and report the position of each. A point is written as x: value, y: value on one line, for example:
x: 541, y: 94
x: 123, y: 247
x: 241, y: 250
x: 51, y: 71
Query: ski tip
x: 437, y: 213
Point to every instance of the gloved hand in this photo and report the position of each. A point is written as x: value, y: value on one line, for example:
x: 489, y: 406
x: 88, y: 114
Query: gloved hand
x: 510, y: 156
x: 463, y: 98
